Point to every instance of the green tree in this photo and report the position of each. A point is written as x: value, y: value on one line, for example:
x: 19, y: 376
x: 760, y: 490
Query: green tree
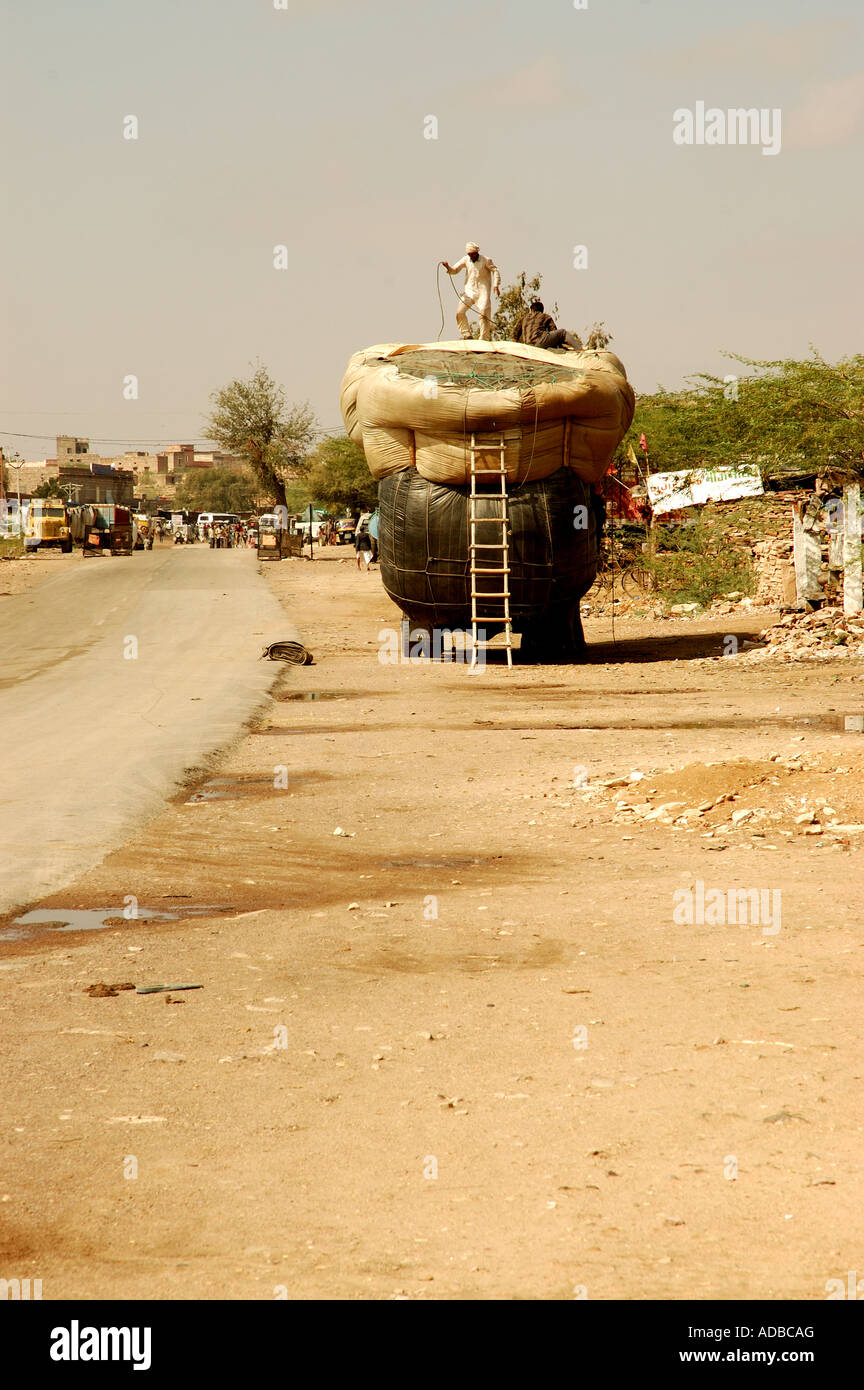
x: 50, y: 488
x: 516, y: 298
x: 338, y: 476
x: 513, y: 301
x: 216, y: 490
x: 796, y: 413
x: 298, y: 496
x: 597, y: 337
x: 252, y: 418
x: 788, y: 416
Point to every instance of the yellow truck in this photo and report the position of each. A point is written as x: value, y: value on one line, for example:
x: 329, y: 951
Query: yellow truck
x: 47, y: 525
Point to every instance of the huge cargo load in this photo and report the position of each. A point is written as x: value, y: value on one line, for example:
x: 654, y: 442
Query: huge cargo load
x: 417, y: 405
x: 416, y: 409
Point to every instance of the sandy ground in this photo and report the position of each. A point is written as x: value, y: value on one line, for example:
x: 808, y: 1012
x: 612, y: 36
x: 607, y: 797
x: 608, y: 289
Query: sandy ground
x: 32, y: 571
x: 466, y: 1048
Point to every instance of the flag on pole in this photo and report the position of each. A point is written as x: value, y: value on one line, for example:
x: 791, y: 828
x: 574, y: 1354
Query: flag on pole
x: 631, y: 454
x: 643, y: 443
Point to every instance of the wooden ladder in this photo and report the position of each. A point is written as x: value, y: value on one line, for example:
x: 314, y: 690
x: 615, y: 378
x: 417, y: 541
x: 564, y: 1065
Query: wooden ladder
x: 489, y: 557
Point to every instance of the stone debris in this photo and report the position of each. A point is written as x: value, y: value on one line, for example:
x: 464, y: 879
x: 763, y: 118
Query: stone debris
x: 778, y: 796
x: 815, y: 635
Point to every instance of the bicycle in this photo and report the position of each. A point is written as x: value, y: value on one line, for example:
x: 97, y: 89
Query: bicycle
x: 621, y: 568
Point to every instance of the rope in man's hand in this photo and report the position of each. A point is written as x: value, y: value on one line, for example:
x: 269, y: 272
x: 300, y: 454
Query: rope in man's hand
x: 469, y: 307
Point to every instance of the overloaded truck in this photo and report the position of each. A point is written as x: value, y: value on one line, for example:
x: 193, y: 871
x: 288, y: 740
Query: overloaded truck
x: 489, y: 458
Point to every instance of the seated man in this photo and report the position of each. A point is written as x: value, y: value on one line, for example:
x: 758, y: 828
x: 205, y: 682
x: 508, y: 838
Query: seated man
x: 537, y: 329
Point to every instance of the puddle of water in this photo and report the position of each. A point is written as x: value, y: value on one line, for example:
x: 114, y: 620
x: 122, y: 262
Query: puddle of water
x: 234, y: 788
x: 67, y: 919
x: 326, y: 695
x: 846, y: 723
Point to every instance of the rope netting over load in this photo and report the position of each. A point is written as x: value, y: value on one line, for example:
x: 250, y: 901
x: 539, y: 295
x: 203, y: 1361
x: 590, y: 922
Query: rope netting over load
x: 493, y: 371
x: 416, y: 405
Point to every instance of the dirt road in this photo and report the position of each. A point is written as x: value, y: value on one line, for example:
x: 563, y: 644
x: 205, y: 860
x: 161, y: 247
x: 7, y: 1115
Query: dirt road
x: 118, y: 674
x: 472, y: 1045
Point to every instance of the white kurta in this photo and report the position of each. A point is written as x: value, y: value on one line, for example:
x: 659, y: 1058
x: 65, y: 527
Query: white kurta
x: 481, y: 277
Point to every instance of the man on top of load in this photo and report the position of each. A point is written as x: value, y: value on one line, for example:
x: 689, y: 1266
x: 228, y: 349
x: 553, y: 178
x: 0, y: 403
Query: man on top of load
x: 481, y: 277
x: 537, y: 329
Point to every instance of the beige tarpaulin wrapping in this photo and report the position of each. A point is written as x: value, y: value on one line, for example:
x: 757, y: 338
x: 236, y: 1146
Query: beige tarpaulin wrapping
x: 572, y: 410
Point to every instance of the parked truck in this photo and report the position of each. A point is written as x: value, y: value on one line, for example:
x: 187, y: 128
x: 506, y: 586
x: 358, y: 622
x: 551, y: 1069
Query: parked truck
x: 47, y: 525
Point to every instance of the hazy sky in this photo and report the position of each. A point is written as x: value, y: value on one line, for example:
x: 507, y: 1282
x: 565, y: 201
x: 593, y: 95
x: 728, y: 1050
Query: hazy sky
x: 304, y: 126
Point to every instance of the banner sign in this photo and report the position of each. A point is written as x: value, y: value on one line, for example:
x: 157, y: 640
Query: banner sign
x: 668, y: 492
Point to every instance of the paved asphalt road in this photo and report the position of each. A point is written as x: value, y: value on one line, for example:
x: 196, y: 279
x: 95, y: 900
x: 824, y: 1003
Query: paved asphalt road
x: 93, y: 737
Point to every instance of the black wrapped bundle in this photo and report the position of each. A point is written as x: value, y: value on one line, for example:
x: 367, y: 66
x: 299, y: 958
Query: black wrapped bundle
x: 423, y: 543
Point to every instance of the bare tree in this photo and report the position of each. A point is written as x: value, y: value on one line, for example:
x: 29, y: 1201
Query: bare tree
x: 252, y: 418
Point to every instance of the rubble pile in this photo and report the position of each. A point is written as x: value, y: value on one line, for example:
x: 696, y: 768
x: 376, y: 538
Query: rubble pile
x: 598, y: 604
x: 811, y: 636
x: 764, y: 802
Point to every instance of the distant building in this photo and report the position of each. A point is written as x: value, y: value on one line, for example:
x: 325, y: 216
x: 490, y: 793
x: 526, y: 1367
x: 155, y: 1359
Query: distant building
x: 215, y: 459
x: 69, y: 447
x: 98, y: 482
x: 31, y: 476
x: 177, y: 458
x: 34, y: 472
x: 135, y: 472
x: 137, y: 459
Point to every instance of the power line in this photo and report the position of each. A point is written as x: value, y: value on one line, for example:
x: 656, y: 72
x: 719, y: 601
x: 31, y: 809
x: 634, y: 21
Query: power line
x: 117, y: 439
x: 152, y: 439
x: 84, y: 411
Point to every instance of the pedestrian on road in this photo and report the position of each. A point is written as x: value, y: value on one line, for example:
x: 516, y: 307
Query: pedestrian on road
x: 363, y: 549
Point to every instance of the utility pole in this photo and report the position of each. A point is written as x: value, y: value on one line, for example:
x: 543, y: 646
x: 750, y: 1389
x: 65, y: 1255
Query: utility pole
x: 18, y: 465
